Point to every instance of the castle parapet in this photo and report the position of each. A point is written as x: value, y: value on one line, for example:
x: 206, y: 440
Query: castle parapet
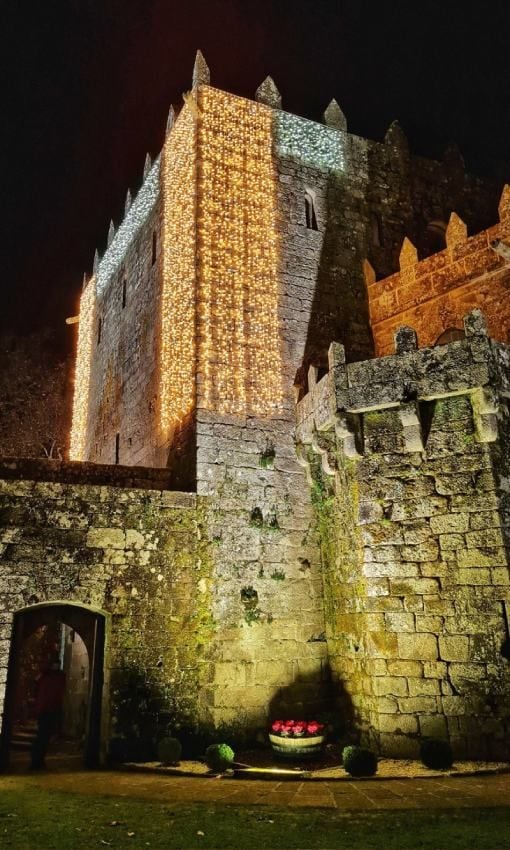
x: 431, y: 294
x: 408, y: 460
x: 476, y: 366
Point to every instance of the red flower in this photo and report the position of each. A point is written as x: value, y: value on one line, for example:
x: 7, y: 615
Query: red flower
x: 296, y: 728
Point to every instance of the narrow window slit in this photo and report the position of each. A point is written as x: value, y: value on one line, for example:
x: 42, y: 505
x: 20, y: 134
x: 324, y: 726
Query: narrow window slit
x: 310, y: 214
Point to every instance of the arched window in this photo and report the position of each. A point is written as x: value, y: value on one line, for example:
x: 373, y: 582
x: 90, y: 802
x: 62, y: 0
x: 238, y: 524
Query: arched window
x: 450, y: 335
x: 124, y: 292
x: 154, y: 247
x: 99, y: 329
x: 436, y: 235
x: 310, y: 213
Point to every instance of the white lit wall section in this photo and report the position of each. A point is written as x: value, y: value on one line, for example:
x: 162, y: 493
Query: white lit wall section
x: 309, y: 143
x: 136, y: 217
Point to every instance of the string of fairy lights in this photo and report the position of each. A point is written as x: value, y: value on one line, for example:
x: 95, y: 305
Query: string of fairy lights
x: 177, y: 343
x: 239, y: 350
x: 219, y: 272
x: 134, y: 220
x: 83, y: 372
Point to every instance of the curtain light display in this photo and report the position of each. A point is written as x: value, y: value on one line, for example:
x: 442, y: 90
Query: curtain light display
x: 217, y: 319
x: 136, y: 217
x: 239, y: 349
x: 82, y: 372
x: 309, y: 143
x: 177, y: 343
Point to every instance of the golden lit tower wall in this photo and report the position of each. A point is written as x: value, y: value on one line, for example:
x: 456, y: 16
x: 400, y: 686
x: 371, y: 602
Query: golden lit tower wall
x: 178, y: 302
x: 135, y: 373
x: 239, y: 334
x: 77, y: 449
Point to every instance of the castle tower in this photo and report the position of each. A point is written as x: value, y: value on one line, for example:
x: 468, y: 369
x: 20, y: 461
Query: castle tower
x: 237, y: 263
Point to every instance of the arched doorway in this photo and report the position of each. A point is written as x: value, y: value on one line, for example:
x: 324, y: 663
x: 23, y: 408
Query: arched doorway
x: 76, y: 635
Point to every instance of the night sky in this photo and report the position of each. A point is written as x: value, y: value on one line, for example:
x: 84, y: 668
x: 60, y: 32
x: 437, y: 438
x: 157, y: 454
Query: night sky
x: 87, y: 85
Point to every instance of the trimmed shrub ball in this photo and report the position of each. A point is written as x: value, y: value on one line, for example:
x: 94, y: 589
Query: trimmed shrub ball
x: 169, y: 751
x: 219, y: 757
x: 358, y: 761
x: 436, y: 754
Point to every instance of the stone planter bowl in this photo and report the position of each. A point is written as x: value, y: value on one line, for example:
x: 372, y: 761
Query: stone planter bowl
x: 297, y: 748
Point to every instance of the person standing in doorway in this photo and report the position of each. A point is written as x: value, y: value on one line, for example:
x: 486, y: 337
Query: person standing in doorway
x: 49, y: 701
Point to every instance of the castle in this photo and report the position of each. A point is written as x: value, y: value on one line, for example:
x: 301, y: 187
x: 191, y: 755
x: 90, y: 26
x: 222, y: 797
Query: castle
x: 288, y: 480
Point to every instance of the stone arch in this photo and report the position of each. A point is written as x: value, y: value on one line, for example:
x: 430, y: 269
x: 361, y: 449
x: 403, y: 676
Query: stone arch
x: 92, y: 625
x: 452, y: 334
x: 435, y: 235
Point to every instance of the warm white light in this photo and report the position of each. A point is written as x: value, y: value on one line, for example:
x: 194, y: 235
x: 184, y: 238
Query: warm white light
x: 82, y: 372
x: 239, y: 345
x: 177, y: 344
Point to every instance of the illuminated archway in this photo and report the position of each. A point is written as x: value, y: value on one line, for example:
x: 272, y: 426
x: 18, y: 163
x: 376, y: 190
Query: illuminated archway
x: 90, y: 624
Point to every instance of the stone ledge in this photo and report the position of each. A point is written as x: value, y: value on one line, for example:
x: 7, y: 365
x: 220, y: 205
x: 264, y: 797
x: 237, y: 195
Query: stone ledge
x: 388, y: 769
x: 74, y: 472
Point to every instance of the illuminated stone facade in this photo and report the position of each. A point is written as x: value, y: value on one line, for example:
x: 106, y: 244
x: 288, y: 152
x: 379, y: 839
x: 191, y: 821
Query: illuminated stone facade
x: 240, y: 260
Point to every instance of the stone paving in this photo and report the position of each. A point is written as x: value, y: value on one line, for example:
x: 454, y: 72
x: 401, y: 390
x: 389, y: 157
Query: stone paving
x: 434, y: 793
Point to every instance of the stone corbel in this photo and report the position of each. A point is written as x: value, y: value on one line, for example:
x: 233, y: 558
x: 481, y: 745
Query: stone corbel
x: 324, y: 445
x: 304, y: 461
x: 485, y: 406
x: 348, y: 429
x: 410, y: 418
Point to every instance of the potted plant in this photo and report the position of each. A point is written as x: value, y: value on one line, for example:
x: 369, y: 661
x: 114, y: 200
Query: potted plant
x: 297, y: 738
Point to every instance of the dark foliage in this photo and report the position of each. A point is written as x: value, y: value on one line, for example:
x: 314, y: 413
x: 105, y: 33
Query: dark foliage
x: 358, y: 761
x: 436, y: 754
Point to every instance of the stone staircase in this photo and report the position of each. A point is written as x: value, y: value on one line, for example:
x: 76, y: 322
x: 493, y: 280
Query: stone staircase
x: 23, y: 735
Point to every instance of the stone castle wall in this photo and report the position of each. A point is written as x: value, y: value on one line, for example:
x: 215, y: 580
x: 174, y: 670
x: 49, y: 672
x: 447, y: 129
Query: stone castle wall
x: 135, y: 554
x: 411, y: 499
x: 199, y: 372
x: 254, y: 240
x: 433, y: 294
x: 124, y: 368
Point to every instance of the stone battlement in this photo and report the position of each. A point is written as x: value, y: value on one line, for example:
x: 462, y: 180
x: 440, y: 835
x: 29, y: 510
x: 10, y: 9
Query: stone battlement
x: 476, y: 366
x: 431, y: 295
x: 407, y: 457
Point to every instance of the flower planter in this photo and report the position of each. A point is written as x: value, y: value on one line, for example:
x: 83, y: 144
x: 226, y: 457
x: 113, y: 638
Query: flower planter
x: 297, y: 748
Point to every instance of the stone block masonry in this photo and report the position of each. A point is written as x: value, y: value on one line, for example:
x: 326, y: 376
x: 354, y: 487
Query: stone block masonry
x: 213, y: 603
x: 238, y: 262
x: 409, y: 463
x: 134, y: 554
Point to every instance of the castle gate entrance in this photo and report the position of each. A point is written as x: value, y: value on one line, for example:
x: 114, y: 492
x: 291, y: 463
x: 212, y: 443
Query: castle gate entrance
x: 72, y: 636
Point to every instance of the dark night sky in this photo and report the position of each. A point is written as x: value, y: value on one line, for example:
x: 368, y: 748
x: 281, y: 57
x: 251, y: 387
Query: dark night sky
x: 87, y: 85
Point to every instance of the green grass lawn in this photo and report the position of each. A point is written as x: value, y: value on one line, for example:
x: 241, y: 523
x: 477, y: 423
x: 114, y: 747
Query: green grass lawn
x: 46, y: 819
